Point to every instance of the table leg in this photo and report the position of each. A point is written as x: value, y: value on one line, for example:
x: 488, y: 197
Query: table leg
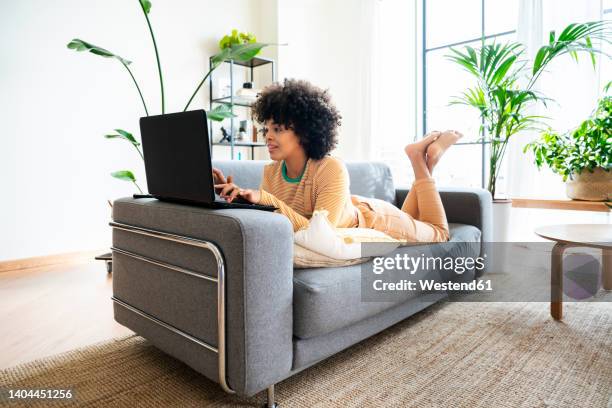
x: 606, y: 268
x: 556, y: 281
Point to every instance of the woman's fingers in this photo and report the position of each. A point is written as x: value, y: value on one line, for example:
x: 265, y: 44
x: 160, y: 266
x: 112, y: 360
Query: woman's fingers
x: 224, y: 188
x: 234, y: 194
x: 228, y: 189
x: 218, y: 176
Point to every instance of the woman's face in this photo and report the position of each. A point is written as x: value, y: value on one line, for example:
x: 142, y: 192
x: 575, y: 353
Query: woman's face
x: 282, y: 142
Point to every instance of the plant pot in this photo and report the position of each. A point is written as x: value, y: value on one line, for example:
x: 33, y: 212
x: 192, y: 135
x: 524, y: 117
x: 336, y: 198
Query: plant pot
x: 501, y: 220
x: 501, y: 233
x: 595, y: 186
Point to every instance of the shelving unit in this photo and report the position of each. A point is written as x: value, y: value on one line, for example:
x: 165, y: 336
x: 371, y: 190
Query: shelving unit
x: 233, y: 101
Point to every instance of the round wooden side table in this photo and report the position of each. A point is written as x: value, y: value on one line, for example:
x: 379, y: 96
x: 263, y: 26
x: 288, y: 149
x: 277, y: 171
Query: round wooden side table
x: 575, y: 235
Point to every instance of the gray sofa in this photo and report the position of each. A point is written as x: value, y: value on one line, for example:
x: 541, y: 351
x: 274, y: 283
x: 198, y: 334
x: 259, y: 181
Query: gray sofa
x: 217, y: 290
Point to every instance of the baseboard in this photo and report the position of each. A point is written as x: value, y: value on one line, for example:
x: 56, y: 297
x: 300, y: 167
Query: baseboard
x: 49, y: 260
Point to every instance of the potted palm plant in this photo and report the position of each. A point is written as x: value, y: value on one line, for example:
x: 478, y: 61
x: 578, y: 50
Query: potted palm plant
x: 583, y: 156
x: 502, y: 100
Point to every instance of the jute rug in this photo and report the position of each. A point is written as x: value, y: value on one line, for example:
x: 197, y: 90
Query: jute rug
x: 450, y: 355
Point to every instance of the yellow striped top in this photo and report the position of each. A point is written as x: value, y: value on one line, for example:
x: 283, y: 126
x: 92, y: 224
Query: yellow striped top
x: 324, y: 186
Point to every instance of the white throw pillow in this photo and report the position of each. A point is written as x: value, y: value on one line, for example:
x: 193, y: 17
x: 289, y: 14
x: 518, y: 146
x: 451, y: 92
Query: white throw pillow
x: 305, y: 258
x: 340, y: 243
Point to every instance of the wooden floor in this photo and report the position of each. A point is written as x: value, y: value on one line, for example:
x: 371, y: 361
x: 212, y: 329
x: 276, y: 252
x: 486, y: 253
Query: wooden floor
x: 49, y: 310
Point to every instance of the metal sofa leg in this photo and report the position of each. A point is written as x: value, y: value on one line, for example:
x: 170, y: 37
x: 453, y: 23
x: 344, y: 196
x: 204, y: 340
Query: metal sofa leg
x: 270, y: 402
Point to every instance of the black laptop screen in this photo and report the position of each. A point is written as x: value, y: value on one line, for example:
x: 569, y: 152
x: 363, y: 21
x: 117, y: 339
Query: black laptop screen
x: 177, y: 156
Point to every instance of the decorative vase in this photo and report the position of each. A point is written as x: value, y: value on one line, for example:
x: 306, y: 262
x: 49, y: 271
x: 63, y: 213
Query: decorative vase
x: 590, y: 186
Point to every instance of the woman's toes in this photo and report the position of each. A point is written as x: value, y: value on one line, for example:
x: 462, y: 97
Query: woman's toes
x: 421, y: 146
x: 443, y: 142
x: 451, y: 136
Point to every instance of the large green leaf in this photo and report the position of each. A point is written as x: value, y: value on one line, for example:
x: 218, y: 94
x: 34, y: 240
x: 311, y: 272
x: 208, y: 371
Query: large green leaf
x: 122, y: 134
x: 238, y: 52
x: 589, y: 44
x: 246, y: 52
x: 220, y: 112
x: 125, y: 175
x: 80, y: 45
x: 465, y: 60
x: 575, y: 37
x: 146, y: 5
x: 220, y: 57
x: 491, y: 64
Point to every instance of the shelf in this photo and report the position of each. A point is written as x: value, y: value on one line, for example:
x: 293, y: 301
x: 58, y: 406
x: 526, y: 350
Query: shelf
x: 248, y: 144
x: 226, y: 101
x: 235, y: 102
x: 575, y: 205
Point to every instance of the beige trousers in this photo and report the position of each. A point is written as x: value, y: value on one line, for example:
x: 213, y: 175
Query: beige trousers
x: 421, y: 219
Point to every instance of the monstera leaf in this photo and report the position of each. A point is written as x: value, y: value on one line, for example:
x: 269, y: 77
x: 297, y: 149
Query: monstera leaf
x: 80, y: 45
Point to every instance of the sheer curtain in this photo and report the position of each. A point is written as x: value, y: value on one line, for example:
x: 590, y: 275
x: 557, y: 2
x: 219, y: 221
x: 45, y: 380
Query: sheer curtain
x: 575, y: 88
x: 393, y: 58
x: 369, y: 74
x: 519, y: 166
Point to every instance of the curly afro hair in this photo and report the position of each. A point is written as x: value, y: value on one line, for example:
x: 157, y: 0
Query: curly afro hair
x: 307, y: 109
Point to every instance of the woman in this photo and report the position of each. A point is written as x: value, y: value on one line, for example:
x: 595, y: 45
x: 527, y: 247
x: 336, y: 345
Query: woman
x: 300, y: 128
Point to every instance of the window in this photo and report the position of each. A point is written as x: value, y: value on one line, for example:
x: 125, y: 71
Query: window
x: 395, y: 112
x: 480, y: 20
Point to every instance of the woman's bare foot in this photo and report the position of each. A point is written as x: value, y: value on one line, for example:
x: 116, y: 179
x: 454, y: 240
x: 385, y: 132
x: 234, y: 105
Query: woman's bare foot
x: 436, y: 149
x: 420, y: 148
x: 416, y: 155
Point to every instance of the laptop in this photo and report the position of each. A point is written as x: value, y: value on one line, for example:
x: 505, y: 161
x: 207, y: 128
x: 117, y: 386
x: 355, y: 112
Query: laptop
x: 178, y: 163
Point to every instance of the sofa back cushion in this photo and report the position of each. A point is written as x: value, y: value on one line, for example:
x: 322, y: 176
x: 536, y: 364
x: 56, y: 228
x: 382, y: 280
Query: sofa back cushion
x: 368, y: 178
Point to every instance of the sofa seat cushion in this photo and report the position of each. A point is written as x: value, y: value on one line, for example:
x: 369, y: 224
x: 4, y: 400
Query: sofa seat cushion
x: 327, y: 299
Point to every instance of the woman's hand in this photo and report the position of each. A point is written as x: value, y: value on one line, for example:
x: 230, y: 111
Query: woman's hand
x: 230, y: 191
x: 218, y: 177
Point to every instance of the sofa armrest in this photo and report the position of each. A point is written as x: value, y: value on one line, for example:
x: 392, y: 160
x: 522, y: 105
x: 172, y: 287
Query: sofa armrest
x: 472, y: 206
x: 257, y: 251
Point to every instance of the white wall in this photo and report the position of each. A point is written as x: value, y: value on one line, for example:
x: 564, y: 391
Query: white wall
x: 364, y: 52
x: 57, y: 104
x: 322, y: 38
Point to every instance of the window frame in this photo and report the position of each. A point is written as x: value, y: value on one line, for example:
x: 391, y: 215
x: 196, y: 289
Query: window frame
x: 426, y: 50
